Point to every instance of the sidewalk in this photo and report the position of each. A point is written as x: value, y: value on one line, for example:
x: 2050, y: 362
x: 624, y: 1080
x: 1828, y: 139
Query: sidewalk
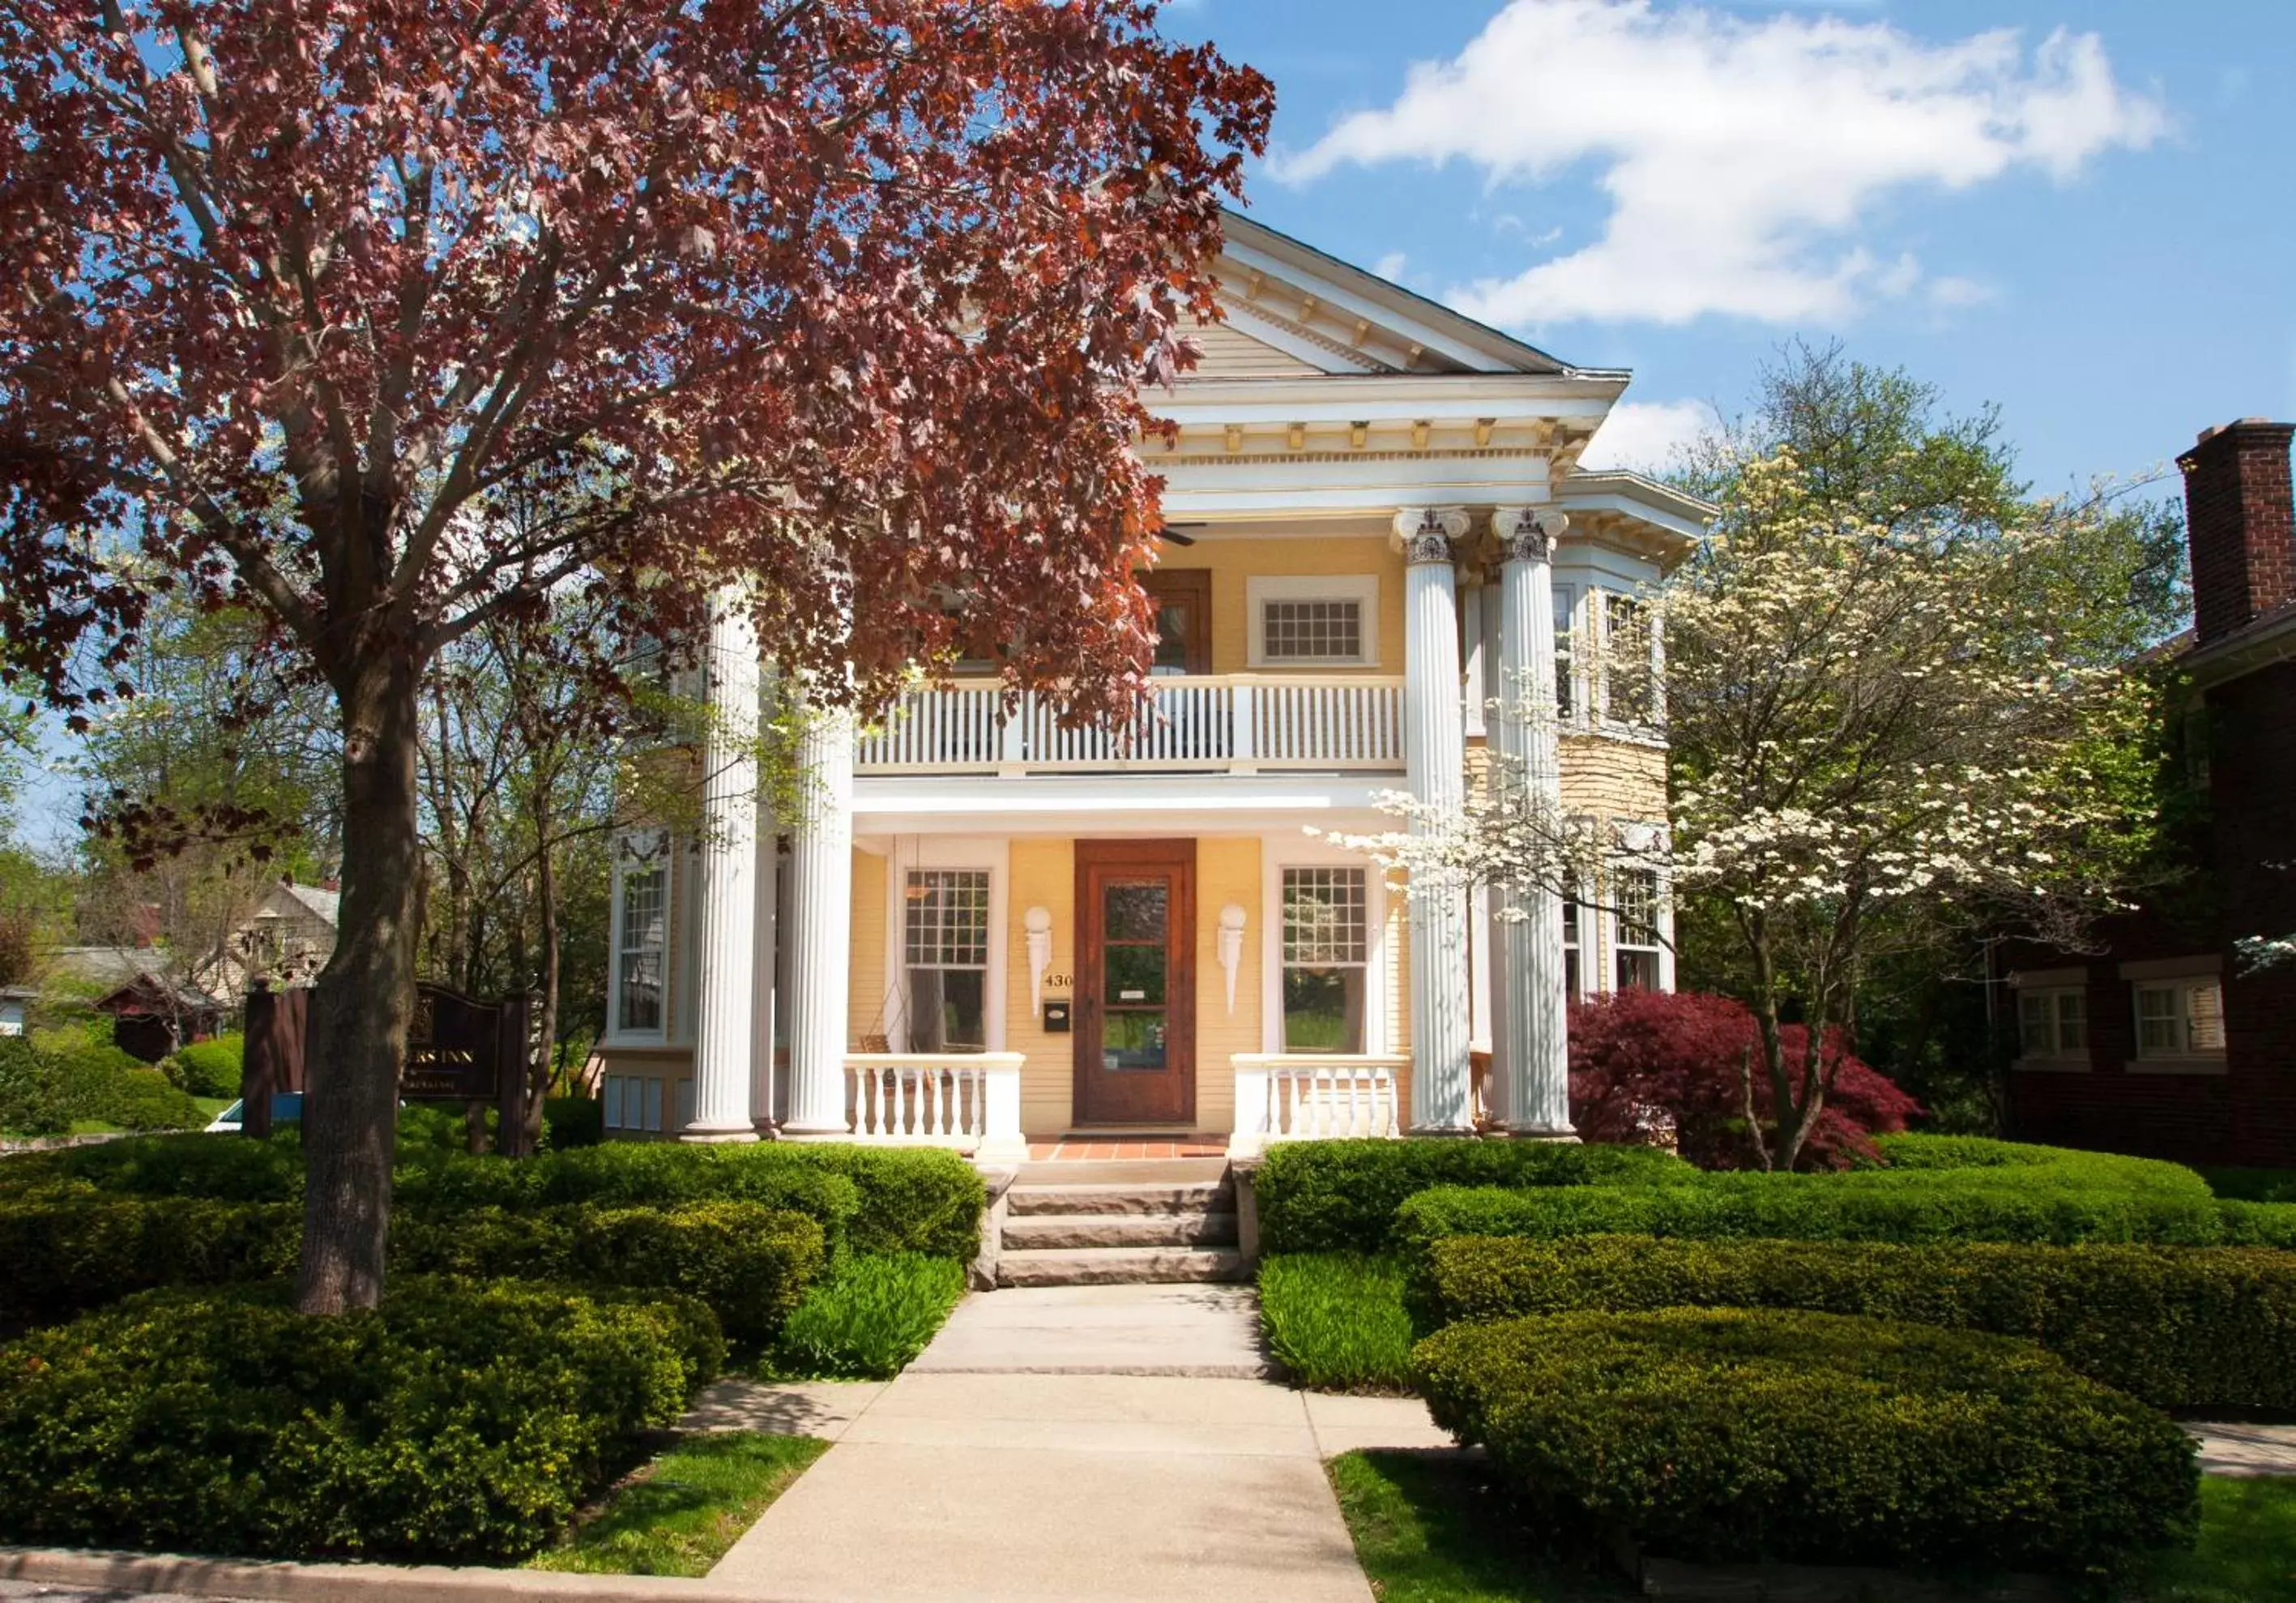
x: 1024, y: 1457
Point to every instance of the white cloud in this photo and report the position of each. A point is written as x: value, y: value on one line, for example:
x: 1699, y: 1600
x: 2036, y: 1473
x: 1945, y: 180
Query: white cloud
x: 1645, y: 434
x: 1391, y: 267
x: 1741, y: 156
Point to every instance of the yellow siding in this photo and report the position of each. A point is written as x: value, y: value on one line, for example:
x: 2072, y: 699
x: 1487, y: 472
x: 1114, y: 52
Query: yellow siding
x: 1612, y: 779
x: 1229, y: 353
x: 866, y: 1009
x: 1043, y: 876
x: 1227, y: 870
x: 1231, y: 563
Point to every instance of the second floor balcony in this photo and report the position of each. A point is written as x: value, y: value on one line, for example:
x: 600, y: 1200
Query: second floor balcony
x: 1248, y: 723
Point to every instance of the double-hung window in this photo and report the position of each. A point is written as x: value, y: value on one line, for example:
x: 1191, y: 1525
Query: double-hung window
x: 1634, y: 928
x: 1326, y: 958
x: 2052, y: 1023
x: 1565, y: 656
x: 1571, y: 946
x: 2180, y: 1018
x: 946, y: 956
x: 641, y: 938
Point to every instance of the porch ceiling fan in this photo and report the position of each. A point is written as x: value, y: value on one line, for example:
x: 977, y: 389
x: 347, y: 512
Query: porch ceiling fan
x: 1168, y: 532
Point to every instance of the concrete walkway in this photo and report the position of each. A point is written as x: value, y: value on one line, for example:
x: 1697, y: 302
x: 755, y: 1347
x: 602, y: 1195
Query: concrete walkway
x: 1105, y: 1442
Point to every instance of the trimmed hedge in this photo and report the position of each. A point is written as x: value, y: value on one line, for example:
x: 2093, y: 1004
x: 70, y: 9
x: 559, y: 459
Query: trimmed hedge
x: 571, y: 1122
x: 459, y: 1424
x: 750, y: 1263
x: 209, y: 1068
x: 71, y: 1252
x: 2181, y: 1327
x: 1325, y: 1197
x: 1939, y: 1206
x: 42, y: 1092
x: 1743, y: 1434
x: 871, y: 1199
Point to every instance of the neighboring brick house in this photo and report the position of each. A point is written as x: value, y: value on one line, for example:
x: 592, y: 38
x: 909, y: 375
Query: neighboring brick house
x: 2163, y: 1045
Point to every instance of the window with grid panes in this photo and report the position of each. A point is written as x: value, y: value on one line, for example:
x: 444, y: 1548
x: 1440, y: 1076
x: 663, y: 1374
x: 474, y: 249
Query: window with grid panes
x: 1570, y: 946
x: 1635, y: 925
x: 1326, y: 956
x: 2180, y: 1018
x: 1564, y: 691
x: 1629, y: 684
x: 643, y: 947
x: 1329, y: 631
x: 945, y: 950
x: 2052, y: 1023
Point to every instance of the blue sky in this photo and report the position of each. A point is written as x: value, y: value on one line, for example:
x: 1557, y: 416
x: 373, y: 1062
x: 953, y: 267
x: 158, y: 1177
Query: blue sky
x: 2084, y: 210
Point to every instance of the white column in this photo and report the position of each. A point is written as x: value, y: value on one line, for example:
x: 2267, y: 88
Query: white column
x: 1435, y: 757
x: 1530, y: 1060
x: 729, y: 878
x: 762, y: 999
x: 820, y: 924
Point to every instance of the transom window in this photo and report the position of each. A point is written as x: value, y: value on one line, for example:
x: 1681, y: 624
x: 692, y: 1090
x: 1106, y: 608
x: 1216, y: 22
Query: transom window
x: 1636, y: 939
x: 944, y: 944
x: 1327, y: 955
x: 2180, y: 1018
x: 2052, y: 1023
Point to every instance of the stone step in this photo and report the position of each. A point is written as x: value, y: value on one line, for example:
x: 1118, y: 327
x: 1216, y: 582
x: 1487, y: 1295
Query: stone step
x: 1034, y: 1231
x: 1190, y: 1197
x: 1119, y: 1266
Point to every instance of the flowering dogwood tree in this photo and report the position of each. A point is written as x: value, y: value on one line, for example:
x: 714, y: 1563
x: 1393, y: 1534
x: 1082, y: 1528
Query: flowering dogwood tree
x: 845, y: 300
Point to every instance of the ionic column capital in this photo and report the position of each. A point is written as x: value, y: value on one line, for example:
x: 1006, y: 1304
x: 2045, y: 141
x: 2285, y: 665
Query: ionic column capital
x: 1528, y: 534
x: 1426, y: 533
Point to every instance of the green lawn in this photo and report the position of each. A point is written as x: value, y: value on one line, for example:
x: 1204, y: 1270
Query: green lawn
x: 1430, y: 1530
x: 1336, y: 1321
x: 687, y: 1508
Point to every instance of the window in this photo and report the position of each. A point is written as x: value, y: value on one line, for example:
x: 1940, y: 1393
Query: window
x: 642, y: 937
x: 1570, y: 946
x: 1565, y: 698
x: 2180, y: 1018
x: 946, y: 956
x: 1326, y: 958
x: 2052, y: 1023
x: 1635, y: 941
x: 1304, y: 621
x: 1629, y: 684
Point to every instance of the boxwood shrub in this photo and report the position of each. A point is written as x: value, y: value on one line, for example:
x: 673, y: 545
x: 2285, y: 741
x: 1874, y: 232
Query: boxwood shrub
x: 1733, y: 1433
x: 459, y: 1423
x: 1936, y: 1206
x: 1327, y: 1197
x: 750, y: 1263
x: 2181, y: 1327
x: 209, y: 1068
x: 67, y: 1253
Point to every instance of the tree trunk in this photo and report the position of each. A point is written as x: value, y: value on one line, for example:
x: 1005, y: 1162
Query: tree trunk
x: 545, y: 887
x: 366, y: 995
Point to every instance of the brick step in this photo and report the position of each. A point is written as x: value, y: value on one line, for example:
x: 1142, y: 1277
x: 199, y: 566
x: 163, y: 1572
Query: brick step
x: 1035, y: 1231
x: 1201, y: 1197
x: 1119, y: 1266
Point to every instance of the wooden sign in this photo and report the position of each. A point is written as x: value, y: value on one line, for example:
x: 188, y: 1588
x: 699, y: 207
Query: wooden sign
x: 453, y: 1049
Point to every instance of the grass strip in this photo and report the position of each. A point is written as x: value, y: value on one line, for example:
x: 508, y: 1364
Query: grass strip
x: 1435, y: 1530
x: 679, y: 1514
x: 1337, y: 1320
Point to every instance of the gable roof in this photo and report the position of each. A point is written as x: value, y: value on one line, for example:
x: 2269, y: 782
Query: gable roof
x: 1294, y: 310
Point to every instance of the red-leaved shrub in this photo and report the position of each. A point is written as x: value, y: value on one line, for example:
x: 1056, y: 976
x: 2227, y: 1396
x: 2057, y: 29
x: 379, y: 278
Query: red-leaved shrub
x: 1641, y: 1059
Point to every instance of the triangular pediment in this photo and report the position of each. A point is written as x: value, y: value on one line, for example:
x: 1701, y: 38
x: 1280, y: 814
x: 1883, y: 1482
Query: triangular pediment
x: 1293, y: 312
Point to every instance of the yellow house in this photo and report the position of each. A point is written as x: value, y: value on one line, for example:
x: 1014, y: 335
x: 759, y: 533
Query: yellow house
x: 987, y: 931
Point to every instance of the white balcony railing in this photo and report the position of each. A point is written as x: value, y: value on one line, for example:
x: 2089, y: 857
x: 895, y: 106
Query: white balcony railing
x: 970, y: 1101
x: 1312, y: 1097
x: 1231, y: 723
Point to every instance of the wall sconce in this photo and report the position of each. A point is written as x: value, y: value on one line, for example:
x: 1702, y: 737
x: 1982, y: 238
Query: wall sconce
x: 1038, y: 923
x: 1231, y: 948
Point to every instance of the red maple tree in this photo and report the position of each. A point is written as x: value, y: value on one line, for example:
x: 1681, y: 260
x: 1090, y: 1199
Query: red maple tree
x: 847, y: 298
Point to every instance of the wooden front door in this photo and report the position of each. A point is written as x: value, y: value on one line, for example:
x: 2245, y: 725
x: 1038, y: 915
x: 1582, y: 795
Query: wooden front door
x: 1136, y: 1017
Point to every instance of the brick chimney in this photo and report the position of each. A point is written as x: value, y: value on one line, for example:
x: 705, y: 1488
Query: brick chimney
x: 2240, y: 524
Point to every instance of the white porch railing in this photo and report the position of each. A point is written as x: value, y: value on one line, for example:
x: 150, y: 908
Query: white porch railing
x: 970, y: 1101
x: 1311, y: 1096
x: 1236, y: 723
